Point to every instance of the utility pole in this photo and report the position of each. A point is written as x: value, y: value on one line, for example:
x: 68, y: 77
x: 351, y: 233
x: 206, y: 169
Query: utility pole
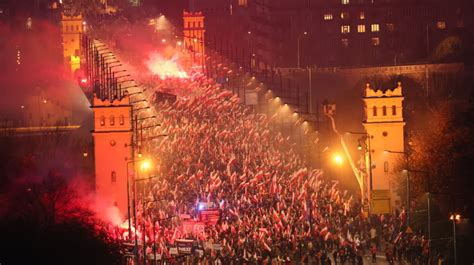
x: 455, y: 217
x: 298, y: 48
x: 429, y: 219
x: 310, y: 88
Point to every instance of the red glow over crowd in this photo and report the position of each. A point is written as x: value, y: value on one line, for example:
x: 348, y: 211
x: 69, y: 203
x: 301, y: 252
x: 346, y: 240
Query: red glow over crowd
x: 222, y: 156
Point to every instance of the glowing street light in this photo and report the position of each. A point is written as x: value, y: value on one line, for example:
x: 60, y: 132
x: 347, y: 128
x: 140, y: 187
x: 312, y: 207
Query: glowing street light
x: 338, y: 159
x: 146, y: 165
x: 455, y: 217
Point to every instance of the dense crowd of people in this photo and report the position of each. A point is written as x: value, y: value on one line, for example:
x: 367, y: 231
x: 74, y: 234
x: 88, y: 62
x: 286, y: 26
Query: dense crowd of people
x: 272, y: 207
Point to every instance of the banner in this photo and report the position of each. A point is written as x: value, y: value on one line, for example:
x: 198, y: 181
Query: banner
x: 209, y: 217
x: 185, y: 246
x: 192, y: 227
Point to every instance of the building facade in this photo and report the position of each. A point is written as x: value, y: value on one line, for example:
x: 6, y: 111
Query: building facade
x: 112, y: 147
x: 72, y: 28
x: 384, y: 125
x: 341, y: 32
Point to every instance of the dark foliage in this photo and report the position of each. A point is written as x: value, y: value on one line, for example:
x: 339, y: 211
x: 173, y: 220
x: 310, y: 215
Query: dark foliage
x: 45, y: 222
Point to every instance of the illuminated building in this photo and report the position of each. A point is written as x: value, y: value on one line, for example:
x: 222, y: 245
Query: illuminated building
x: 135, y: 2
x: 384, y: 123
x: 340, y: 32
x: 112, y: 146
x: 72, y: 28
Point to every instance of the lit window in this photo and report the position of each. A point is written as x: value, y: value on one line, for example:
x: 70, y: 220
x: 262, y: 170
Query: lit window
x: 113, y: 177
x: 385, y: 166
x: 394, y: 110
x: 361, y: 15
x: 29, y: 22
x: 122, y: 120
x: 375, y: 28
x: 327, y: 16
x: 441, y: 24
x: 345, y: 2
x: 345, y: 29
x: 360, y: 28
x: 374, y: 111
x: 242, y: 3
x: 112, y: 120
x: 345, y: 42
x: 384, y: 111
x: 375, y: 41
x: 102, y: 120
x: 344, y: 15
x: 390, y: 27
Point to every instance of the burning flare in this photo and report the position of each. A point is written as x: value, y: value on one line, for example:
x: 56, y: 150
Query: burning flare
x: 165, y: 68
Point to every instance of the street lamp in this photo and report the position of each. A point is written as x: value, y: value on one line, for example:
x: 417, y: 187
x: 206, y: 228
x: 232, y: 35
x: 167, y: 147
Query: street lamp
x: 120, y: 71
x: 138, y: 101
x: 368, y: 166
x: 338, y: 159
x: 151, y: 117
x: 102, y: 48
x: 298, y: 47
x: 120, y: 76
x: 128, y: 196
x: 145, y: 166
x: 144, y: 108
x: 130, y: 86
x: 109, y: 57
x: 113, y: 65
x: 455, y: 217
